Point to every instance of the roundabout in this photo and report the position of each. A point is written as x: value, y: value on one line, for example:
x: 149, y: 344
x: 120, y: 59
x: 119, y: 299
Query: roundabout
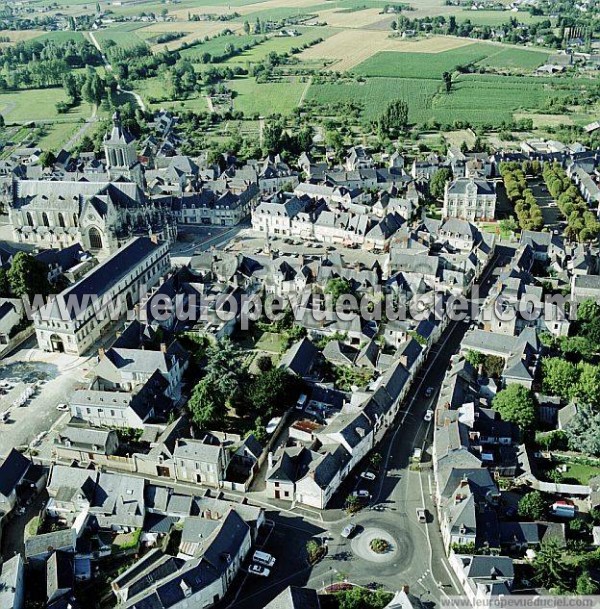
x: 376, y: 545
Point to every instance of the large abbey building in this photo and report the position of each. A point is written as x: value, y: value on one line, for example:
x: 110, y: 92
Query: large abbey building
x: 101, y: 209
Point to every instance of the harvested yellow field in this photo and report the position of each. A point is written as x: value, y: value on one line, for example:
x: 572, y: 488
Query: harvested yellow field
x: 545, y: 120
x: 19, y: 36
x: 243, y: 10
x: 353, y: 19
x: 194, y: 30
x: 349, y: 48
x: 429, y: 8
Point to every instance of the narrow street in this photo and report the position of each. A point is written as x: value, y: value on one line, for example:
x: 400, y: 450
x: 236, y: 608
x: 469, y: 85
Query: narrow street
x: 418, y: 559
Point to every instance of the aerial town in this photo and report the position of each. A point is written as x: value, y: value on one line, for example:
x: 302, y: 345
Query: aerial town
x: 301, y: 323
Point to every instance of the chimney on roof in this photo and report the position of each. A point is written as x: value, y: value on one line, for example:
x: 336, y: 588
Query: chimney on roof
x: 406, y: 589
x: 464, y: 482
x: 163, y: 347
x: 101, y: 352
x: 154, y: 238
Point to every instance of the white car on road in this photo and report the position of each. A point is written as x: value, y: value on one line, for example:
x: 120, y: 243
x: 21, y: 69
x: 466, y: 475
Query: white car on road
x: 348, y: 530
x: 259, y: 570
x: 428, y: 415
x: 367, y: 475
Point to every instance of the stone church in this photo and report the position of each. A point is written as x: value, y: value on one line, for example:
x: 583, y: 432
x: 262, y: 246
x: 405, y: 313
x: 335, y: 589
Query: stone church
x: 100, y: 210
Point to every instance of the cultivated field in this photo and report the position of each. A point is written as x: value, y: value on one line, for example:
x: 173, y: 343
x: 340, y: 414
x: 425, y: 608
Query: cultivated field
x: 194, y: 30
x: 432, y: 65
x: 351, y: 19
x: 376, y: 93
x: 19, y: 36
x: 38, y: 104
x: 267, y: 98
x: 348, y: 49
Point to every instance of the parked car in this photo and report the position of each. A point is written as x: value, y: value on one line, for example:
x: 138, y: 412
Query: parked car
x: 259, y: 570
x: 272, y: 425
x: 428, y: 415
x: 62, y: 407
x: 263, y: 558
x: 422, y: 515
x: 362, y: 493
x: 348, y: 530
x: 417, y: 454
x: 367, y: 475
x: 429, y: 392
x: 301, y: 403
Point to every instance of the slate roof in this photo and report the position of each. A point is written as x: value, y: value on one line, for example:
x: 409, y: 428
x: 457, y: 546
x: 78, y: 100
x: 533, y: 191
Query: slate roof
x: 104, y: 277
x: 59, y: 575
x: 85, y: 438
x: 300, y: 357
x: 482, y: 566
x: 47, y: 542
x: 12, y: 471
x: 197, y: 450
x: 352, y: 427
x: 460, y: 185
x: 295, y: 598
x: 197, y: 573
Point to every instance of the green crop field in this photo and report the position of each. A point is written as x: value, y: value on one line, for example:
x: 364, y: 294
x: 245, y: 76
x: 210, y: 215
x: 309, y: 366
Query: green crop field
x: 477, y: 98
x: 432, y: 65
x: 377, y: 93
x: 516, y: 58
x: 280, y: 44
x: 393, y: 64
x: 216, y: 46
x: 496, y: 17
x: 121, y: 38
x: 267, y: 98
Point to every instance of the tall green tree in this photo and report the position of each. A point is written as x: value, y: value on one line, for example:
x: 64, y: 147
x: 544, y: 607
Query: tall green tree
x: 394, y: 118
x: 532, y: 506
x: 28, y: 276
x: 437, y: 183
x: 206, y: 405
x: 516, y: 404
x: 550, y: 570
x: 215, y: 393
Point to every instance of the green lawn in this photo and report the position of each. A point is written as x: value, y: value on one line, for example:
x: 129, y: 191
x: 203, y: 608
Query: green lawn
x: 39, y: 104
x: 280, y: 44
x: 267, y: 98
x: 58, y: 37
x: 270, y: 342
x: 216, y: 46
x: 581, y: 473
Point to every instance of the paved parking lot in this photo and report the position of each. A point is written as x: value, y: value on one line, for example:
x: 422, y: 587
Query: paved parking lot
x: 56, y: 376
